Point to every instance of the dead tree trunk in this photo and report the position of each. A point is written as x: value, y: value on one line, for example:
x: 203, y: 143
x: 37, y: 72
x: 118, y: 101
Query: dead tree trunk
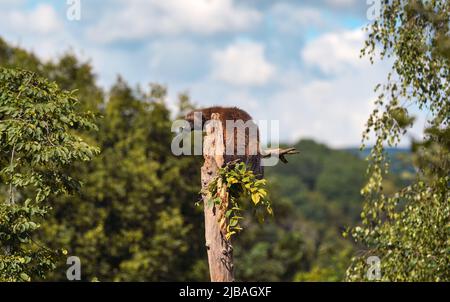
x: 219, y: 249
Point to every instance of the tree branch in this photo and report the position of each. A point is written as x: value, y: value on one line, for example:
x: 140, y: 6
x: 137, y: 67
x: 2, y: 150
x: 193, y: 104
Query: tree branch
x: 11, y: 187
x: 279, y: 152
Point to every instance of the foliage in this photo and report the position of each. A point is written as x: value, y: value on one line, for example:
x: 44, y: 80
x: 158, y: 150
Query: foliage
x: 37, y: 120
x: 134, y: 220
x: 130, y: 222
x: 132, y: 189
x: 331, y: 266
x: 409, y: 230
x: 312, y: 207
x: 233, y: 182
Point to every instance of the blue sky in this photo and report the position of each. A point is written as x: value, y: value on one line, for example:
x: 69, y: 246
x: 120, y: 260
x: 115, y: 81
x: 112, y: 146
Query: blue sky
x: 293, y: 61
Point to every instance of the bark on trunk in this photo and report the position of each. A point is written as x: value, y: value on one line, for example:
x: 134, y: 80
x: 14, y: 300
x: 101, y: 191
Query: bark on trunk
x: 220, y: 253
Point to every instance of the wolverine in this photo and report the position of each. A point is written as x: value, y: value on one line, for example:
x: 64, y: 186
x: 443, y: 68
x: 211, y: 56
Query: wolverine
x: 241, y: 135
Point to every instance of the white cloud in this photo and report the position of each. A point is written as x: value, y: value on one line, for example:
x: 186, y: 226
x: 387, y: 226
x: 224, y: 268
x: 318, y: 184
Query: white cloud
x: 8, y: 4
x: 341, y: 3
x: 331, y: 109
x: 295, y: 19
x: 242, y: 64
x: 42, y: 20
x: 40, y: 29
x: 335, y: 53
x: 334, y: 109
x: 139, y: 19
x: 177, y: 59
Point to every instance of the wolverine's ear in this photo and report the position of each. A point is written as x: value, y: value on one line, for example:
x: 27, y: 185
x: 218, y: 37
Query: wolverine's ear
x: 191, y: 118
x: 189, y: 115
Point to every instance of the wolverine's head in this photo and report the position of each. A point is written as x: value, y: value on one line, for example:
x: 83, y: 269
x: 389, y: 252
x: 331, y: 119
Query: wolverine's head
x: 196, y: 119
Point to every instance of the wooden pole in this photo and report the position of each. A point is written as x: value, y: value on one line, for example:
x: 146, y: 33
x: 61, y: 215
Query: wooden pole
x: 219, y: 249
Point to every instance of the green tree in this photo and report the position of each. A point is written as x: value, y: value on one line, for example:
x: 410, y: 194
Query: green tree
x: 409, y: 230
x: 37, y: 120
x: 134, y: 220
x: 137, y: 204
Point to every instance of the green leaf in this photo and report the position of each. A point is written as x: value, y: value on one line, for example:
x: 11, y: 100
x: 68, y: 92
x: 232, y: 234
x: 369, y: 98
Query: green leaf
x: 25, y: 277
x: 256, y: 198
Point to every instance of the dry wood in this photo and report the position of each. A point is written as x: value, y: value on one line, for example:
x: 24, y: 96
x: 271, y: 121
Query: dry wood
x: 279, y: 152
x: 219, y: 249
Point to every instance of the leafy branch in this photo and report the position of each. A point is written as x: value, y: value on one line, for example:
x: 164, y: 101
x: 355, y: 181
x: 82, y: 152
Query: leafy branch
x: 233, y: 183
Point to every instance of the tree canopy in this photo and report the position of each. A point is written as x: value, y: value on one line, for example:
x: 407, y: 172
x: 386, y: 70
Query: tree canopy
x: 134, y: 217
x: 409, y: 229
x: 37, y: 121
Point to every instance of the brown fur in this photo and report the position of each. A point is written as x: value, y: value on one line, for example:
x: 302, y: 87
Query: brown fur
x: 233, y: 114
